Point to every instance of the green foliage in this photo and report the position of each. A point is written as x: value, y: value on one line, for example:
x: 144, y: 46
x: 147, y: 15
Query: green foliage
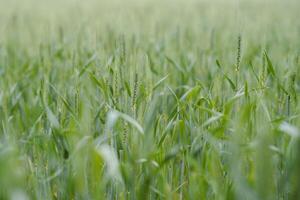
x: 149, y: 99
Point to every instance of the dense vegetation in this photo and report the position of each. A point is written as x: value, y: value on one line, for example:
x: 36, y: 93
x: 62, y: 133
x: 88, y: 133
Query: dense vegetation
x: 149, y: 99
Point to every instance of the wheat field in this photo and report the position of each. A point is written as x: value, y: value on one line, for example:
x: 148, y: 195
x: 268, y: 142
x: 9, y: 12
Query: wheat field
x: 140, y: 99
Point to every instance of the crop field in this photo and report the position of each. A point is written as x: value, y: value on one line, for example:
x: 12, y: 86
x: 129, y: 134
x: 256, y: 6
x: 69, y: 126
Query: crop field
x: 150, y: 99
